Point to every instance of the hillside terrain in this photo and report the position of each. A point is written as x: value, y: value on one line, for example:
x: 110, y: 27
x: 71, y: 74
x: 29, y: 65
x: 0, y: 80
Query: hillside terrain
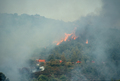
x: 73, y: 51
x: 89, y: 68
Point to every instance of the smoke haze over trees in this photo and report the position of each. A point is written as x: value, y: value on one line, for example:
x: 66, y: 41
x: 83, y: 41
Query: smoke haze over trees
x: 25, y: 36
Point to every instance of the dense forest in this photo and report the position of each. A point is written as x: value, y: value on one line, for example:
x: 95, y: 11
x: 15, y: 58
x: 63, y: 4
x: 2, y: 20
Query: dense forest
x: 93, y: 55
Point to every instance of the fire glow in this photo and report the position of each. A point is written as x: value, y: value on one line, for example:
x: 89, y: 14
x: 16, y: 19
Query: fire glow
x: 73, y: 36
x: 87, y: 41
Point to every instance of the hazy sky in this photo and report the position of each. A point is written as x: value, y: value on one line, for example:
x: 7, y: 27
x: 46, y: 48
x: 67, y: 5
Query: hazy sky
x: 67, y: 10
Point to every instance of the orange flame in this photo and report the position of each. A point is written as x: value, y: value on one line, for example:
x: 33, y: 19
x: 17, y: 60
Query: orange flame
x: 73, y: 36
x: 66, y: 37
x: 87, y: 41
x: 59, y: 42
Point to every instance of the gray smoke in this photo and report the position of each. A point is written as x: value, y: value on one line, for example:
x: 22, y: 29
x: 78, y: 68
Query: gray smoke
x: 104, y: 30
x: 17, y: 42
x: 21, y: 35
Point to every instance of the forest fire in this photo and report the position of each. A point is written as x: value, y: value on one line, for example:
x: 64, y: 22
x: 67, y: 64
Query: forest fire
x: 40, y: 60
x: 65, y: 39
x: 66, y: 36
x: 87, y: 41
x: 73, y: 36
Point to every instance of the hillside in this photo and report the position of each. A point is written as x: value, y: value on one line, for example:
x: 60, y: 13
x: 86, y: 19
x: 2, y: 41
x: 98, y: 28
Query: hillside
x: 81, y: 50
x: 95, y: 64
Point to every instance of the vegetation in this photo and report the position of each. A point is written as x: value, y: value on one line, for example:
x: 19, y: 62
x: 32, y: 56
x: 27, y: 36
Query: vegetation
x: 97, y: 62
x: 89, y: 68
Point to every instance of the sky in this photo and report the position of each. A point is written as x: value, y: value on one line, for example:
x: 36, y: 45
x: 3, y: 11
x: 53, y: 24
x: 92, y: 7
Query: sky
x: 66, y: 10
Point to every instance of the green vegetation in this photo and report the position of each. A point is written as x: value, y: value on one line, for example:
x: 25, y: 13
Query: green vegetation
x: 89, y: 68
x: 99, y: 59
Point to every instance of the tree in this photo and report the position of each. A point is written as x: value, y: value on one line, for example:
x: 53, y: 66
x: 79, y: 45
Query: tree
x: 51, y: 57
x: 54, y: 63
x: 74, y: 57
x: 57, y: 56
x: 63, y: 78
x: 42, y: 78
x: 3, y: 77
x: 63, y: 57
x: 34, y: 79
x: 53, y: 78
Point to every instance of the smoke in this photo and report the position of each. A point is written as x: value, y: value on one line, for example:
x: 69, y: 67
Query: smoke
x: 102, y: 33
x: 68, y: 10
x: 21, y: 35
x: 77, y: 75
